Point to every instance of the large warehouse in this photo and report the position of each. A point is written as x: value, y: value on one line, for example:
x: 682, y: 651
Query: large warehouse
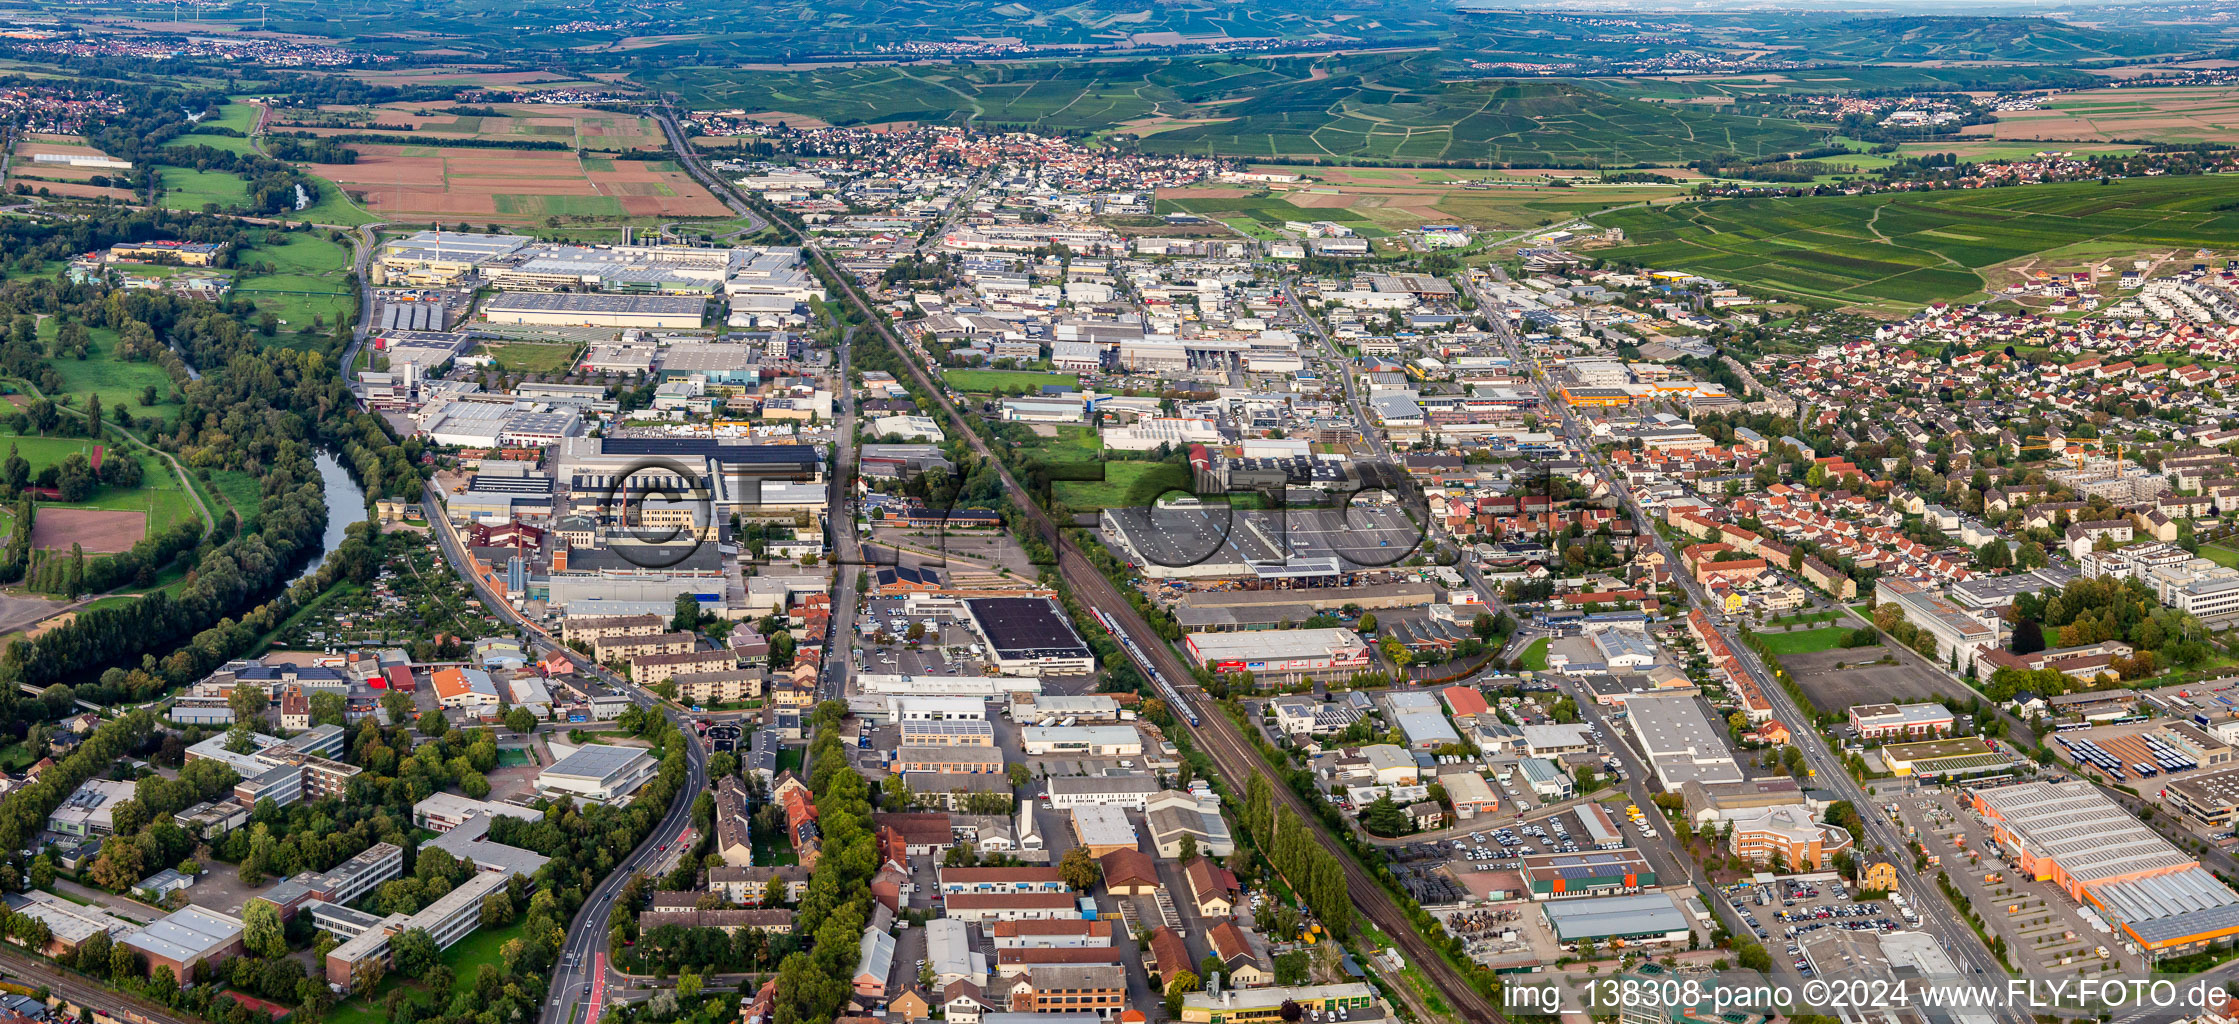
x: 598, y: 772
x: 2071, y: 834
x: 1282, y: 655
x: 578, y: 309
x: 1681, y: 742
x: 1641, y: 917
x: 1028, y: 636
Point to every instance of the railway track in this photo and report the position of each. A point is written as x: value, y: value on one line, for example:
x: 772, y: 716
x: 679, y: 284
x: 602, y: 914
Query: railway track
x: 1236, y: 759
x: 1213, y: 732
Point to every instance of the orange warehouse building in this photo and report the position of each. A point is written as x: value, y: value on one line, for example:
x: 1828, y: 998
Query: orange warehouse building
x: 2076, y: 837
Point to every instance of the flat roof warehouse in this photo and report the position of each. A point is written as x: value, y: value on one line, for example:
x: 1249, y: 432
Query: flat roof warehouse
x: 1026, y: 627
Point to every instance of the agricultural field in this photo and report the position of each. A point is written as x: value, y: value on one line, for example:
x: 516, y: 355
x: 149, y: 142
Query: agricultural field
x: 1380, y: 107
x: 2171, y: 115
x: 501, y: 185
x: 60, y: 179
x: 433, y: 123
x: 1385, y: 201
x: 1897, y: 251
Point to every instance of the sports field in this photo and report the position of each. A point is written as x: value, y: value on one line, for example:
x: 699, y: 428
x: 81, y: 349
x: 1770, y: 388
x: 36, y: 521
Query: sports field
x: 1900, y: 250
x: 185, y: 188
x: 421, y: 181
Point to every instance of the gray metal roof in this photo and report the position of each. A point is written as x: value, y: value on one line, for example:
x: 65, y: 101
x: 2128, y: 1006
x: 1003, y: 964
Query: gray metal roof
x: 597, y: 762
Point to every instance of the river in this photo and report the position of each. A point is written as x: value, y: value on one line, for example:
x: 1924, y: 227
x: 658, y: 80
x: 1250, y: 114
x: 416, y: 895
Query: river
x: 345, y: 505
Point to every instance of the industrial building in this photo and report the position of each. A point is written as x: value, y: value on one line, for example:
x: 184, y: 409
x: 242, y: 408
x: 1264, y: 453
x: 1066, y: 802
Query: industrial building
x: 1076, y: 740
x: 1682, y: 743
x: 442, y: 257
x: 1555, y: 876
x: 598, y: 772
x: 2073, y: 835
x: 1282, y: 655
x: 1029, y: 636
x: 548, y: 266
x: 580, y: 309
x: 2209, y: 798
x: 1639, y: 918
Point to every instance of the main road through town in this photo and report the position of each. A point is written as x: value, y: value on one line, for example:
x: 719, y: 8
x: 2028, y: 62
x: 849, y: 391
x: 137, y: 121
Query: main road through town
x: 1967, y: 950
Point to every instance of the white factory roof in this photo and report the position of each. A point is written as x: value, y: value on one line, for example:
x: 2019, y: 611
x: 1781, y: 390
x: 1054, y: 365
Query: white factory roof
x: 190, y: 933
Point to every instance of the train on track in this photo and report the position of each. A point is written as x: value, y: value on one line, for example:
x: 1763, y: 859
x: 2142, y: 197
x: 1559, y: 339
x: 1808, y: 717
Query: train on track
x: 1166, y: 688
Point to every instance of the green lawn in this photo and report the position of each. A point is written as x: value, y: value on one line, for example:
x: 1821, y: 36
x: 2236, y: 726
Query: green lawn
x: 2220, y: 555
x: 188, y: 189
x: 1535, y: 655
x: 1125, y: 484
x: 533, y: 357
x: 310, y: 279
x: 240, y: 490
x: 120, y: 383
x: 986, y: 381
x: 482, y: 947
x: 1806, y: 641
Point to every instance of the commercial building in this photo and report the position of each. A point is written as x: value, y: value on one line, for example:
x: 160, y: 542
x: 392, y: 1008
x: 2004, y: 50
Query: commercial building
x: 1266, y: 1005
x: 2209, y: 797
x: 1911, y: 721
x: 1681, y: 742
x: 951, y: 733
x: 1130, y: 791
x: 1959, y: 636
x: 1281, y: 655
x: 598, y: 772
x: 464, y: 688
x: 949, y: 760
x: 1649, y: 917
x: 192, y: 935
x: 1788, y: 837
x: 1028, y: 636
x: 986, y: 908
x: 1102, y: 828
x: 1555, y: 876
x: 1174, y: 816
x: 580, y: 309
x: 2073, y: 835
x: 1100, y: 989
x: 1077, y: 740
x: 442, y: 257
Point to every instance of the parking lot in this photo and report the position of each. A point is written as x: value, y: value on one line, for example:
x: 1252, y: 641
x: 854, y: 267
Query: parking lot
x: 1786, y: 910
x: 2044, y: 930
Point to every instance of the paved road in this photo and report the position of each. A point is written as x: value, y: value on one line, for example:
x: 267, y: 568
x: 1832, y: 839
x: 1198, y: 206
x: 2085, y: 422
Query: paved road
x: 586, y: 935
x: 692, y: 165
x: 1237, y: 759
x: 1965, y: 949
